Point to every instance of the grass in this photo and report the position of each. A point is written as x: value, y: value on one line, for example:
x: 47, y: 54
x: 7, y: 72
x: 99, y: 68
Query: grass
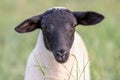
x: 102, y: 40
x: 69, y: 73
x: 40, y: 66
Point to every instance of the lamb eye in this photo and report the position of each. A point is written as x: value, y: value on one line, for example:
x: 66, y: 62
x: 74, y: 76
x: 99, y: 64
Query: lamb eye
x: 74, y: 25
x: 43, y: 27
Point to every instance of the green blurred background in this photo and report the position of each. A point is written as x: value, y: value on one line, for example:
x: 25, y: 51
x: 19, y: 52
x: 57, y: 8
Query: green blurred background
x: 102, y: 40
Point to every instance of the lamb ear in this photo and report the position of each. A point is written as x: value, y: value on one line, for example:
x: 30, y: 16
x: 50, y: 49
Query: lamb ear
x: 88, y: 18
x: 29, y: 24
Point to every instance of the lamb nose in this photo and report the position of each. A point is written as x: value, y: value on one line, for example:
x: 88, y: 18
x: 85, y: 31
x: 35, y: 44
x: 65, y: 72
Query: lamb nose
x: 61, y: 52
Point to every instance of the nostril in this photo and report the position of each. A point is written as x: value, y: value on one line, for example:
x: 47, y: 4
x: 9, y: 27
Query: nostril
x: 61, y: 53
x: 61, y: 56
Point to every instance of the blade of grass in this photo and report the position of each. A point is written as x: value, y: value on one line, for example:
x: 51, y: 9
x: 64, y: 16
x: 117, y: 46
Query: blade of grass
x: 77, y: 67
x: 69, y: 73
x: 83, y: 69
x: 77, y: 70
x: 40, y: 66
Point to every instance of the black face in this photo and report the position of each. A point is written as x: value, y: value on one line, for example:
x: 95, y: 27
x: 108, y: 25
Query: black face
x: 58, y: 26
x: 58, y: 31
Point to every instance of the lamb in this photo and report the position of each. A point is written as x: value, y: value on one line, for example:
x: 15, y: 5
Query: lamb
x: 60, y: 53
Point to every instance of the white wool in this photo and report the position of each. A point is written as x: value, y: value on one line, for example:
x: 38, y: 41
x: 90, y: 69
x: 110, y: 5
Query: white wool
x: 70, y: 70
x: 57, y: 8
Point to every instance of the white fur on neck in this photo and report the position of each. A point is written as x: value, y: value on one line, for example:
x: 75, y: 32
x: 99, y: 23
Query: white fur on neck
x: 54, y: 70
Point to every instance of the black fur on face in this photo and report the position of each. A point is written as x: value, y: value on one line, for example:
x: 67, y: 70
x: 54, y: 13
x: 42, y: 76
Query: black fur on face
x: 58, y: 30
x: 58, y: 26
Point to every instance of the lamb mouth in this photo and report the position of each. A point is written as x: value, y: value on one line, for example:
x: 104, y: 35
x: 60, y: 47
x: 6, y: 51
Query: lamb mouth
x: 61, y: 59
